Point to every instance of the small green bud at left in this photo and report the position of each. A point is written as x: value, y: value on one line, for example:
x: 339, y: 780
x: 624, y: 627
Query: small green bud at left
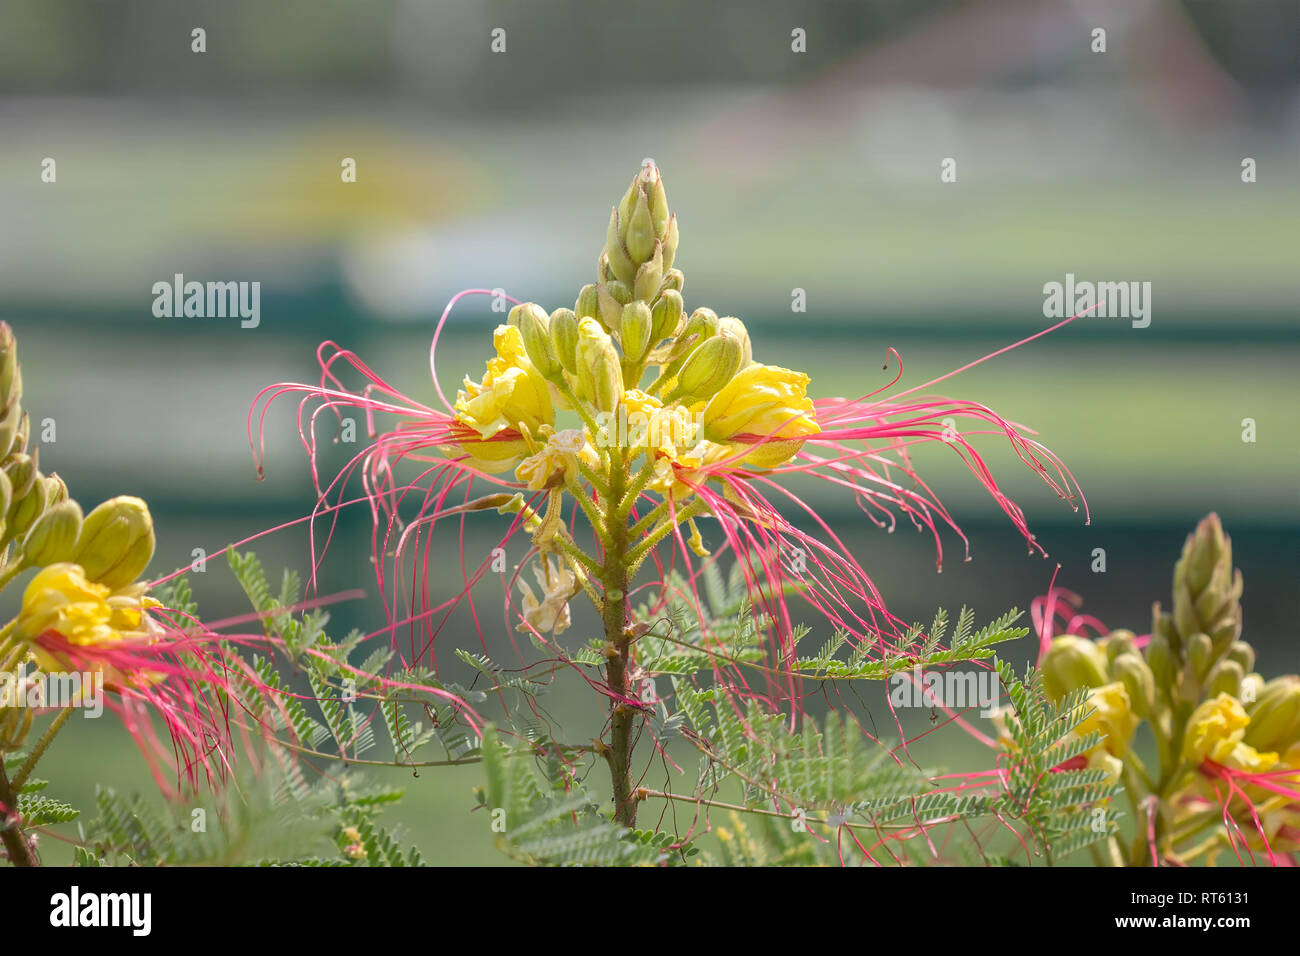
x: 53, y: 538
x: 1070, y: 663
x: 116, y: 542
x: 564, y: 338
x: 534, y: 329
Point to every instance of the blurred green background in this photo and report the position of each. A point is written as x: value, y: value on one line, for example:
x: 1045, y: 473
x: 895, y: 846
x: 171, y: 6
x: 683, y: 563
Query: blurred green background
x: 816, y: 171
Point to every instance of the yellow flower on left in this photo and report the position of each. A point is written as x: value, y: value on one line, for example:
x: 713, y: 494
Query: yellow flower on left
x: 512, y: 396
x: 85, y: 614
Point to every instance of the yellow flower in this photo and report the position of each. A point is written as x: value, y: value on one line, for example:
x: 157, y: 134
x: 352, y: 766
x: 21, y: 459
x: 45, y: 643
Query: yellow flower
x: 512, y: 394
x: 763, y: 401
x: 1112, y: 715
x: 59, y: 599
x: 1215, y: 730
x: 562, y: 452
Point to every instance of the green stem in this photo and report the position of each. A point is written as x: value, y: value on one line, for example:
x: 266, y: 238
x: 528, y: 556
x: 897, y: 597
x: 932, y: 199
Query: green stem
x: 618, y: 659
x: 639, y: 553
x: 38, y: 751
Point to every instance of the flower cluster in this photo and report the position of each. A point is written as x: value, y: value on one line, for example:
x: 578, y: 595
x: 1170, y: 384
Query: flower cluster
x: 706, y: 400
x: 641, y: 419
x: 87, y: 612
x: 1227, y: 740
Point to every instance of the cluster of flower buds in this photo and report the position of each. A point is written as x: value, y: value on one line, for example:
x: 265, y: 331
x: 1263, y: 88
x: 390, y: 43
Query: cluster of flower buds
x: 628, y: 324
x: 91, y: 562
x: 42, y: 525
x: 1210, y: 712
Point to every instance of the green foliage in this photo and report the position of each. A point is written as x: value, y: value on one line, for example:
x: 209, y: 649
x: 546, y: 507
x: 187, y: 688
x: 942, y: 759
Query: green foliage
x: 271, y: 820
x: 547, y: 819
x: 796, y: 792
x: 917, y: 648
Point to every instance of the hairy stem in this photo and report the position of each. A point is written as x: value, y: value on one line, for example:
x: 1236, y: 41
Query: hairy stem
x: 618, y: 646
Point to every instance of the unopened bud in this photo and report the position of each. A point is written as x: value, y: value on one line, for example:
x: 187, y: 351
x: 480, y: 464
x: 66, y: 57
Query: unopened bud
x: 620, y: 263
x: 674, y: 279
x: 600, y: 375
x: 667, y: 313
x: 612, y: 296
x: 1275, y: 716
x: 649, y: 276
x: 1163, y: 668
x: 707, y: 369
x: 1224, y: 678
x: 1138, y: 680
x: 1243, y: 654
x: 733, y: 325
x: 24, y: 510
x: 588, y: 304
x: 564, y: 337
x: 1070, y: 663
x: 116, y: 542
x: 634, y: 330
x: 640, y: 238
x: 11, y: 376
x: 533, y: 323
x: 1199, y: 656
x: 53, y: 538
x: 22, y: 472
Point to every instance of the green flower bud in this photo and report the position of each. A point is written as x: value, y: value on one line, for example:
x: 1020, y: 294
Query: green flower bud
x: 19, y: 444
x: 634, y: 330
x: 11, y: 376
x: 11, y: 419
x: 1161, y: 661
x: 640, y: 237
x: 53, y: 538
x: 6, y: 495
x: 56, y: 491
x: 1200, y: 656
x: 674, y: 279
x: 116, y: 542
x: 707, y: 369
x: 1117, y: 643
x: 1070, y: 663
x: 703, y: 324
x: 600, y: 375
x: 649, y: 276
x: 1243, y: 654
x: 1207, y: 590
x: 642, y: 219
x: 588, y: 304
x: 25, y: 510
x: 612, y: 296
x: 1224, y: 678
x: 564, y: 337
x: 533, y: 323
x: 22, y: 472
x: 667, y: 313
x: 1138, y: 680
x: 620, y: 263
x: 734, y: 326
x: 1275, y: 716
x: 670, y: 243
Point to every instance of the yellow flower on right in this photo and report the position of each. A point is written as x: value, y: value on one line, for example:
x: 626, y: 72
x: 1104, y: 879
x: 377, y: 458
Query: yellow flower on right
x: 1215, y: 731
x: 762, y: 402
